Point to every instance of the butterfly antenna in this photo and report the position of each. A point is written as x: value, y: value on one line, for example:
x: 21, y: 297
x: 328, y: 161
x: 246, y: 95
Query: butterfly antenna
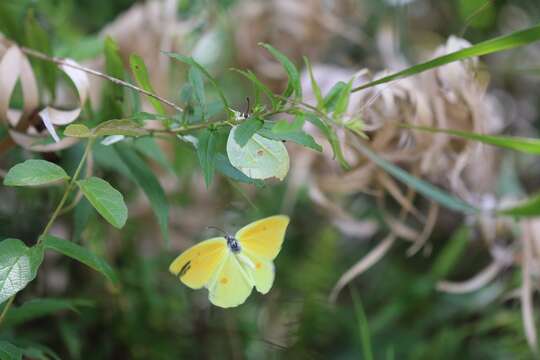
x: 248, y: 108
x: 216, y: 228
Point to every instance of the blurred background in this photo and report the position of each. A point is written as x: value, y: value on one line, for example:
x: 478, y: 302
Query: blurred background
x: 429, y: 290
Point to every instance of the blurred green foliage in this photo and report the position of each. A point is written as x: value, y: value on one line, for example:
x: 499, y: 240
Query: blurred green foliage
x: 152, y: 316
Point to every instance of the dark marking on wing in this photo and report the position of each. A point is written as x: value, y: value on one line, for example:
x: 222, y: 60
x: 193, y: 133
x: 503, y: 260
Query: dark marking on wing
x: 185, y: 269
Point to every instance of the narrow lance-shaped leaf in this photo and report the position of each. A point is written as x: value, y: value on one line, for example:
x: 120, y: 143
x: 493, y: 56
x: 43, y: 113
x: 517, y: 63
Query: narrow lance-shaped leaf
x: 37, y: 308
x: 527, y: 208
x: 342, y: 101
x: 113, y: 94
x: 297, y: 136
x: 80, y: 254
x: 502, y: 43
x: 78, y: 131
x: 450, y: 254
x: 246, y: 129
x: 196, y: 80
x: 143, y: 79
x: 206, y: 152
x: 108, y: 201
x: 419, y: 185
x: 331, y: 99
x: 224, y: 166
x: 124, y: 127
x: 261, y: 87
x: 34, y: 172
x: 144, y: 177
x: 363, y: 326
x: 332, y: 138
x: 188, y: 60
x: 37, y: 38
x: 314, y: 86
x: 522, y: 144
x: 18, y: 266
x: 293, y: 86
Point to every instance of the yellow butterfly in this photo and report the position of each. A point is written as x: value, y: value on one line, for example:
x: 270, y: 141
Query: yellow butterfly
x: 230, y: 266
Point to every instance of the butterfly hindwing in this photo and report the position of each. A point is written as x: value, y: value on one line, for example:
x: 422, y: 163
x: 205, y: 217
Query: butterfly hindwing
x: 262, y: 272
x: 196, y: 266
x: 264, y: 237
x: 231, y: 284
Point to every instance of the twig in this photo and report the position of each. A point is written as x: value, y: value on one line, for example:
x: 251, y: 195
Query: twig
x: 68, y: 190
x: 63, y: 62
x: 6, y: 308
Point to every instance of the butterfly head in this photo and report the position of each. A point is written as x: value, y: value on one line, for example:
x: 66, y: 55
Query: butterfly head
x: 233, y: 244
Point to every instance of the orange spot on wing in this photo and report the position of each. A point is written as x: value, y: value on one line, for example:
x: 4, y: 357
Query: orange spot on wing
x: 224, y: 280
x: 258, y: 265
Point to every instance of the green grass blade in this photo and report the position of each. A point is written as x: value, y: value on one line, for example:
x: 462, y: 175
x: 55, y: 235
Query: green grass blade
x: 421, y: 186
x: 363, y: 326
x: 527, y: 208
x: 501, y: 43
x: 522, y: 144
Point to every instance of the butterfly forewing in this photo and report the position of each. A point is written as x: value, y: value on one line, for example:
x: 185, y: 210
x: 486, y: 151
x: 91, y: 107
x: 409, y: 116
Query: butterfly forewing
x: 196, y: 265
x: 264, y: 237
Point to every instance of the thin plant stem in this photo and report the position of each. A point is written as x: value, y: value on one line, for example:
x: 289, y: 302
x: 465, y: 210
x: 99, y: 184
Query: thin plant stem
x: 63, y: 62
x: 69, y: 187
x: 6, y: 308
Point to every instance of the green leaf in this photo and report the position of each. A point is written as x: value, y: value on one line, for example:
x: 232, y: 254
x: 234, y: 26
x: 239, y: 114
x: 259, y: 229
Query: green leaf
x: 423, y: 187
x: 108, y: 201
x: 39, y: 352
x: 124, y: 127
x: 9, y: 21
x: 246, y: 129
x: 144, y: 177
x: 285, y: 126
x: 299, y: 137
x: 450, y: 254
x: 80, y: 254
x: 196, y: 80
x: 501, y: 43
x: 148, y: 146
x: 342, y: 101
x: 38, y: 39
x: 260, y: 158
x: 206, y: 151
x: 331, y: 99
x: 113, y: 94
x: 363, y: 326
x: 293, y: 85
x: 527, y: 208
x: 261, y: 87
x: 78, y: 131
x: 143, y: 79
x: 189, y: 61
x: 18, y: 266
x: 37, y: 308
x: 113, y: 63
x: 314, y: 86
x: 34, y: 172
x: 224, y: 166
x: 8, y: 351
x: 332, y: 138
x: 522, y: 144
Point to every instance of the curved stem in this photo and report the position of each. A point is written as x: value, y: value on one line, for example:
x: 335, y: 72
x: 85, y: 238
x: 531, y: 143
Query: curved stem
x: 63, y: 62
x: 6, y: 308
x: 69, y: 187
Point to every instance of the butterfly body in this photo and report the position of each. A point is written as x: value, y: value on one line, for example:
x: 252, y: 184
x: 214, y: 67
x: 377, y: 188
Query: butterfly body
x: 229, y: 267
